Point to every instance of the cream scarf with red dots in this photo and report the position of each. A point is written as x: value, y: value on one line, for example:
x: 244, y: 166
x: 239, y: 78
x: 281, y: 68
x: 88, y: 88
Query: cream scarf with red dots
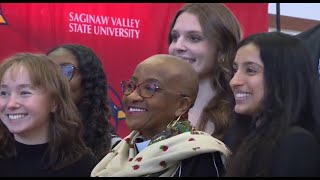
x: 161, y: 158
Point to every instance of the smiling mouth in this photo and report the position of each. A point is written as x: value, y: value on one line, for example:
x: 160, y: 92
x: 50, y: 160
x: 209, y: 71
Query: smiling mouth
x: 242, y: 96
x: 133, y: 110
x: 16, y: 116
x: 189, y: 60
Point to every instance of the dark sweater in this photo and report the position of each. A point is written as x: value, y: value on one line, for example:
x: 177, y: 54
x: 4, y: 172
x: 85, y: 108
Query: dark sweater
x: 296, y: 155
x: 203, y: 165
x: 311, y: 39
x: 28, y: 164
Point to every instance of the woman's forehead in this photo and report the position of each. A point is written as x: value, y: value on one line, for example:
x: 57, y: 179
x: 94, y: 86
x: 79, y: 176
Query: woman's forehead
x: 151, y: 73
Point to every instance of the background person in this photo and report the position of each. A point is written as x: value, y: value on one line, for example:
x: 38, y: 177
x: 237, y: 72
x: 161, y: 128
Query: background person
x: 88, y: 84
x: 206, y: 36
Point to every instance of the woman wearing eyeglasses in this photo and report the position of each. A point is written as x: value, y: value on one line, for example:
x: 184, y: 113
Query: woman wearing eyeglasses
x: 162, y: 143
x: 88, y: 84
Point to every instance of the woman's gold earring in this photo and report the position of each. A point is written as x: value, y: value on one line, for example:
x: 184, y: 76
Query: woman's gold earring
x: 173, y: 122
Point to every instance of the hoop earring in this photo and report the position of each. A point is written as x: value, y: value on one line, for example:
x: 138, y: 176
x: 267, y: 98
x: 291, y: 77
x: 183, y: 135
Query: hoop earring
x: 173, y: 122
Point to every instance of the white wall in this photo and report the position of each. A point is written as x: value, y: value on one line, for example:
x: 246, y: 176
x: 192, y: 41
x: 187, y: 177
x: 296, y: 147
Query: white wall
x: 299, y: 10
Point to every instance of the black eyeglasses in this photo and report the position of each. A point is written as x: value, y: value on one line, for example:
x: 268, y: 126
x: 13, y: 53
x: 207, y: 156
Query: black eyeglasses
x: 68, y: 70
x: 145, y: 89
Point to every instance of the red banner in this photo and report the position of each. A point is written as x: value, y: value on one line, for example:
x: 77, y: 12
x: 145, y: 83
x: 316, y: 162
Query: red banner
x: 121, y: 34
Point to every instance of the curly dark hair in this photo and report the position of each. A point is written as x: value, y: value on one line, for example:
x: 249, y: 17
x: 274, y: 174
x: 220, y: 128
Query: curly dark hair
x: 94, y: 103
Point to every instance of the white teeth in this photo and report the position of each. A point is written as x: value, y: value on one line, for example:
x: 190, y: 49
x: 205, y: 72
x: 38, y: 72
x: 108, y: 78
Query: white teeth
x: 241, y: 95
x: 190, y: 60
x: 16, y: 116
x: 136, y: 110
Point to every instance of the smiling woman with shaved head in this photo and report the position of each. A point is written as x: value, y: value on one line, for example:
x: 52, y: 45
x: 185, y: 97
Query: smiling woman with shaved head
x: 156, y: 100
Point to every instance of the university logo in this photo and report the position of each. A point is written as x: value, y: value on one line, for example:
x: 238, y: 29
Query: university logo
x: 3, y: 20
x: 116, y: 111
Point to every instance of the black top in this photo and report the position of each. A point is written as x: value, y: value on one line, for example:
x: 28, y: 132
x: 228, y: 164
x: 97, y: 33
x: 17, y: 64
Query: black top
x: 311, y: 39
x: 28, y: 164
x: 238, y: 131
x: 296, y: 155
x: 203, y: 165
